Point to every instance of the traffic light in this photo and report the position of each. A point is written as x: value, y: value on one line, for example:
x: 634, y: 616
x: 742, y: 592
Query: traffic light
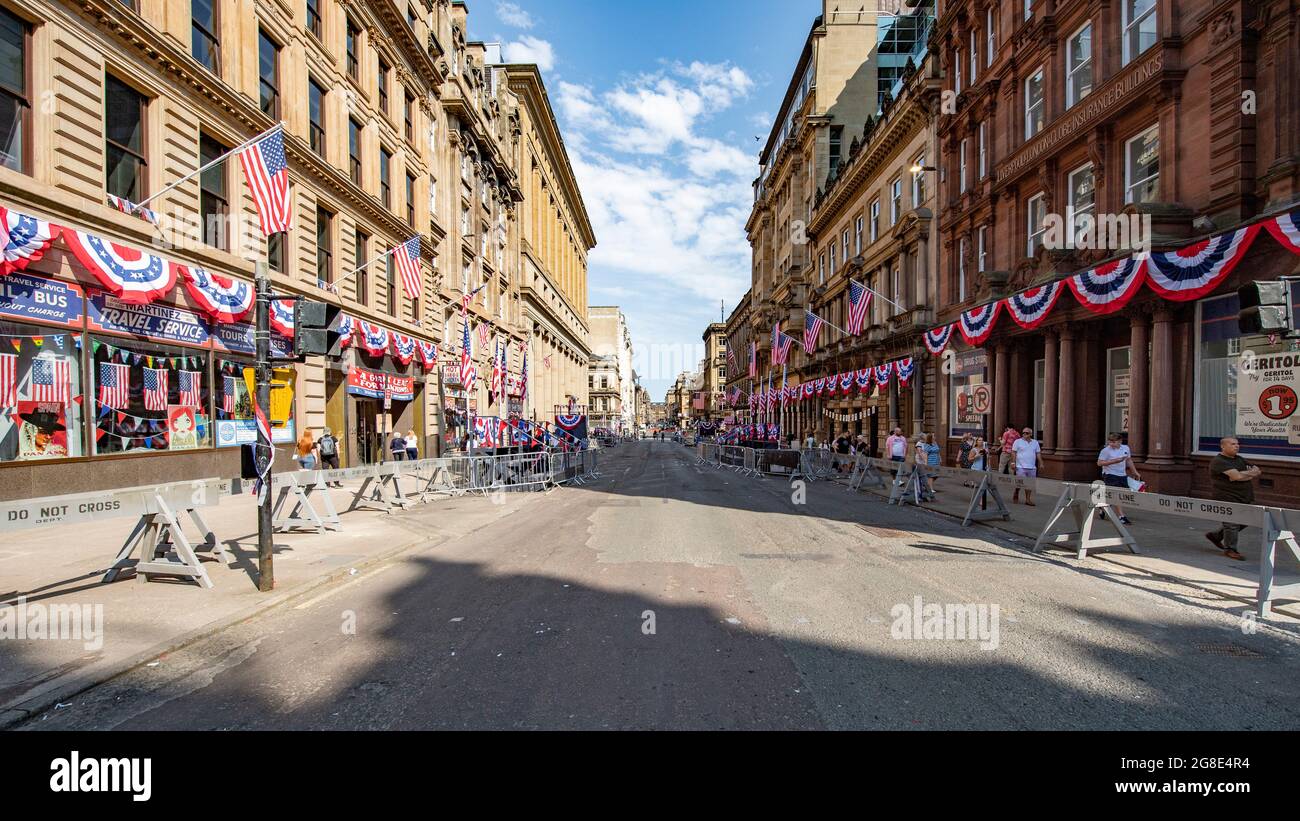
x: 316, y: 329
x: 1265, y: 307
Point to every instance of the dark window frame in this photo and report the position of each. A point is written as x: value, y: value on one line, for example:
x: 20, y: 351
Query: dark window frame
x: 354, y: 150
x: 324, y: 250
x: 220, y: 239
x: 361, y: 244
x: 352, y: 47
x: 273, y: 83
x: 141, y: 156
x: 213, y: 38
x: 385, y: 180
x: 315, y: 20
x: 23, y: 98
x: 316, y: 129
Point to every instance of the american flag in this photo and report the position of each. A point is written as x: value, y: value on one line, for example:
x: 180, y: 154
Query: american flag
x: 523, y: 379
x: 483, y: 331
x: 407, y: 256
x: 115, y: 385
x: 266, y: 170
x: 780, y: 345
x: 812, y: 328
x: 467, y: 373
x: 51, y: 380
x: 498, y: 377
x: 8, y: 380
x: 187, y: 385
x: 753, y: 360
x: 155, y: 389
x: 731, y: 360
x: 859, y: 301
x: 229, y: 396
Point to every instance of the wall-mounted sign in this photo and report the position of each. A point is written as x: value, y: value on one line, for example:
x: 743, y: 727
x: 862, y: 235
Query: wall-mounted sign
x: 376, y: 385
x: 23, y: 296
x: 238, y: 338
x: 156, y: 322
x: 1268, y: 394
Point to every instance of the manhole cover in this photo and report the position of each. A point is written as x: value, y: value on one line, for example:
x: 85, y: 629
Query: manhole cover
x: 1229, y: 650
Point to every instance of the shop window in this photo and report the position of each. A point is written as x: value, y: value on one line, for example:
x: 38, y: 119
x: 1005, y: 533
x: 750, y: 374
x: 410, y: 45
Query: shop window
x: 969, y: 394
x: 1118, y: 390
x: 1224, y: 361
x: 233, y: 406
x: 148, y: 397
x: 40, y: 382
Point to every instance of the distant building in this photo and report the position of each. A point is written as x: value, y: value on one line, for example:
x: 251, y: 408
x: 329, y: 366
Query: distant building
x: 611, y: 380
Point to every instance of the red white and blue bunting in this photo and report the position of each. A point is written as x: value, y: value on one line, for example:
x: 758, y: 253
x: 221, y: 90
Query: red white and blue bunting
x: 23, y: 240
x: 1029, y: 308
x: 403, y: 347
x: 282, y: 317
x: 904, y: 368
x: 133, y: 276
x: 937, y: 339
x: 883, y: 374
x: 1192, y: 272
x: 1286, y: 230
x: 1108, y: 288
x: 428, y: 354
x: 863, y: 380
x: 374, y: 338
x: 846, y: 383
x: 347, y: 327
x: 977, y: 323
x: 224, y: 299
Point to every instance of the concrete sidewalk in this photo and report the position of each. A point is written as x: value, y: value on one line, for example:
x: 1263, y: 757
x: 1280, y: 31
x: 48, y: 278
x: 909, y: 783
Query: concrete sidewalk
x: 142, y: 620
x: 1172, y: 548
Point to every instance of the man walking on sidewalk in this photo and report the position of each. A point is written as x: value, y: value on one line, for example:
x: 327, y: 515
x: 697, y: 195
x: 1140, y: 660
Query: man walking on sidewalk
x: 1006, y: 464
x: 1028, y: 455
x: 1234, y: 481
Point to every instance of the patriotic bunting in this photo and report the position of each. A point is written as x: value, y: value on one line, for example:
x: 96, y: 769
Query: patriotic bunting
x: 846, y: 382
x: 133, y: 276
x: 374, y: 338
x: 821, y: 386
x: 977, y: 323
x: 127, y: 207
x: 863, y: 380
x: 1286, y: 230
x: 1192, y: 272
x: 347, y: 325
x: 937, y: 339
x: 904, y: 368
x: 23, y: 240
x: 883, y: 373
x: 403, y: 347
x: 1108, y: 288
x: 224, y: 299
x: 428, y: 354
x: 1029, y: 308
x: 282, y: 317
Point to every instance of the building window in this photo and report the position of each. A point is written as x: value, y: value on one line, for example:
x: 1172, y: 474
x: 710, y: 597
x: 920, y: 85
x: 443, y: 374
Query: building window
x: 214, y: 203
x: 1036, y: 214
x: 956, y: 71
x: 140, y: 389
x: 961, y: 166
x: 314, y: 19
x: 316, y: 116
x: 837, y: 139
x: 324, y: 247
x: 832, y: 258
x: 982, y: 260
x: 895, y: 201
x: 384, y: 71
x: 353, y: 46
x: 390, y: 286
x: 205, y: 44
x: 1139, y: 27
x: 974, y: 56
x: 990, y: 34
x: 1034, y: 104
x: 1083, y: 198
x: 15, y: 99
x: 961, y: 270
x: 984, y: 151
x: 875, y: 220
x: 408, y: 116
x: 918, y: 182
x: 360, y: 253
x: 1029, y: 9
x: 43, y: 373
x: 844, y: 246
x: 268, y: 75
x: 275, y: 252
x: 410, y: 200
x: 354, y: 150
x: 821, y: 269
x: 857, y: 237
x: 1078, y: 66
x: 124, y: 140
x: 385, y: 186
x: 1142, y: 167
x: 896, y: 288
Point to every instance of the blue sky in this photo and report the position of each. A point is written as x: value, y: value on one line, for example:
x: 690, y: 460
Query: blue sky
x: 660, y: 104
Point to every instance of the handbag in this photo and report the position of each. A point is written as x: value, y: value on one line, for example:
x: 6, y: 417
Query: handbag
x: 1136, y: 485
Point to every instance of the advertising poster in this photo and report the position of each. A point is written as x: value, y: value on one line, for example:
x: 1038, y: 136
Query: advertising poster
x: 182, y: 428
x: 42, y: 430
x: 1267, y: 400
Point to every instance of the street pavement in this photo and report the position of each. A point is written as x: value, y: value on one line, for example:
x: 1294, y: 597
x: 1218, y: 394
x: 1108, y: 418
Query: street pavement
x: 668, y: 595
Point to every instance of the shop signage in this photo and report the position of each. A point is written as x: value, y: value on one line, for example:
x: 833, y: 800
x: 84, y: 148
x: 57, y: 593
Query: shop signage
x: 233, y: 432
x: 451, y: 375
x: 23, y: 296
x: 156, y: 322
x: 1268, y: 387
x: 376, y: 385
x: 238, y: 338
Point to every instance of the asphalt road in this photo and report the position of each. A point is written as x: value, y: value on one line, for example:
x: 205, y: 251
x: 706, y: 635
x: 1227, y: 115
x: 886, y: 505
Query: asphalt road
x: 671, y: 596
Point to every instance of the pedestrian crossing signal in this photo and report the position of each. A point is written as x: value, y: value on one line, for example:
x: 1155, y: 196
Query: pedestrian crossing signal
x: 1265, y: 308
x: 316, y: 329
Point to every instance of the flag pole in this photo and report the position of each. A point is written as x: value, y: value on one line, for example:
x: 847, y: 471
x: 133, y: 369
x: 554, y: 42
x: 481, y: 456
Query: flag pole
x: 277, y: 127
x: 828, y: 323
x: 877, y: 293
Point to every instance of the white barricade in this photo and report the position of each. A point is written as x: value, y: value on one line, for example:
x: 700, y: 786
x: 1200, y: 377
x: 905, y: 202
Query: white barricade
x: 300, y: 487
x: 1280, y: 527
x: 381, y: 489
x: 864, y: 473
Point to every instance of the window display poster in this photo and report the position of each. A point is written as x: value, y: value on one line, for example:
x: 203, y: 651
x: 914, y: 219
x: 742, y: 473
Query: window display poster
x: 971, y: 393
x: 1267, y: 397
x: 182, y: 428
x: 39, y: 430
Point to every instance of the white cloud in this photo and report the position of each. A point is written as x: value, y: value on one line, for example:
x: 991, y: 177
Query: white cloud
x: 512, y: 15
x: 529, y: 49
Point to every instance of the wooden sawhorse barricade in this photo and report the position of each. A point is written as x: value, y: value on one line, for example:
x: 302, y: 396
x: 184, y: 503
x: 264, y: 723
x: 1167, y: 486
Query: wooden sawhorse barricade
x: 1086, y: 505
x: 864, y: 473
x: 300, y: 488
x: 381, y: 489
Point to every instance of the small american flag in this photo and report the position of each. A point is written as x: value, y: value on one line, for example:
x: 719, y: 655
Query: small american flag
x: 187, y: 386
x: 266, y: 170
x: 115, y: 385
x: 8, y: 380
x: 753, y: 360
x: 407, y: 256
x: 483, y: 332
x: 812, y: 328
x: 466, y: 358
x: 228, y: 395
x: 155, y: 389
x: 859, y: 301
x: 51, y: 380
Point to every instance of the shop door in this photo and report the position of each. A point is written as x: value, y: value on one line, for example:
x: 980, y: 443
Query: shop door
x: 369, y: 443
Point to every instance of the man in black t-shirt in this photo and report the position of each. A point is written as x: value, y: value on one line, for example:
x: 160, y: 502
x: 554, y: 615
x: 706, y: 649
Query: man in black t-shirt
x: 1234, y: 481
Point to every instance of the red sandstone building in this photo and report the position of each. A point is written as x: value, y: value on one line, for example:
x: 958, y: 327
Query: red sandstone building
x: 1185, y: 112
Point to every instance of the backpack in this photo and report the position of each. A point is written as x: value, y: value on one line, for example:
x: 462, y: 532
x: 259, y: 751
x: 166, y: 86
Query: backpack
x: 328, y: 446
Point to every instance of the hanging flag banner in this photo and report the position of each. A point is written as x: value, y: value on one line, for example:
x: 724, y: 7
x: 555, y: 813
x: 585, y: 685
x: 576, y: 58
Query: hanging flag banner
x: 937, y: 339
x: 374, y: 384
x: 133, y: 276
x: 883, y: 373
x: 977, y: 323
x: 221, y: 298
x: 156, y: 322
x: 428, y: 354
x: 374, y: 338
x: 23, y: 240
x: 1286, y: 230
x: 25, y: 296
x: 403, y: 347
x: 1029, y: 308
x: 846, y: 383
x: 1108, y: 288
x: 347, y: 326
x: 863, y: 380
x: 1192, y: 272
x: 904, y: 368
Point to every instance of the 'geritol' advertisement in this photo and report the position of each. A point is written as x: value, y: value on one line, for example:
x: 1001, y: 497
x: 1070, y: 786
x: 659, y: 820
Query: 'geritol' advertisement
x: 1267, y: 388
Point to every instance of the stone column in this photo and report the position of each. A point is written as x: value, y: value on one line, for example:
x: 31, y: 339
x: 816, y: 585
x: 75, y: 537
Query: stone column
x: 1160, y: 436
x: 1001, y: 391
x: 1065, y: 397
x: 990, y: 365
x: 1139, y: 406
x: 1051, y: 378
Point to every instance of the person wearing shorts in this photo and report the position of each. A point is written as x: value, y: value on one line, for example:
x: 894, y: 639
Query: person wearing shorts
x: 1116, y: 463
x: 1028, y: 456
